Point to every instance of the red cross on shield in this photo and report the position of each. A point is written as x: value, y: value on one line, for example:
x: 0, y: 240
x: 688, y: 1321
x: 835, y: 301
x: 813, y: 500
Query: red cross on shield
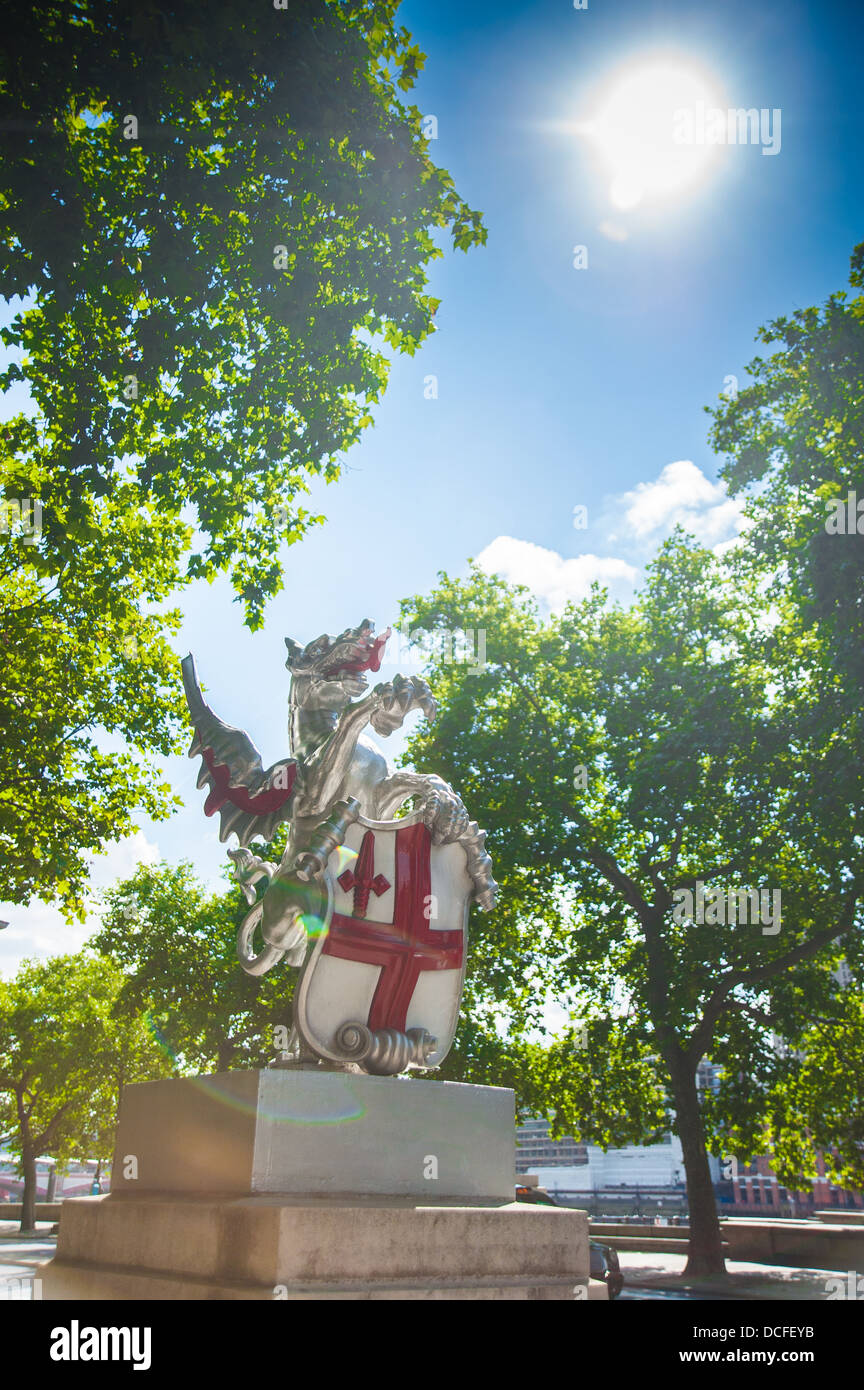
x: 392, y: 954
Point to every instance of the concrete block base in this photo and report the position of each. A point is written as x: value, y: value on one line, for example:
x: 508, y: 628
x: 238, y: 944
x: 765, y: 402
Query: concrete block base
x: 176, y: 1247
x: 297, y: 1185
x: 312, y: 1133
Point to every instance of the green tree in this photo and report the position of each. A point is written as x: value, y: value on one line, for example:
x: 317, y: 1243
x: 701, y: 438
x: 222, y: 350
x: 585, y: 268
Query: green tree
x: 216, y: 224
x: 792, y: 441
x: 175, y: 944
x: 88, y: 693
x: 819, y: 1100
x: 64, y: 1057
x: 219, y: 217
x: 618, y: 758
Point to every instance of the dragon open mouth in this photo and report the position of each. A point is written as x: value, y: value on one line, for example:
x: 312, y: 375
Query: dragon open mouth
x: 366, y: 656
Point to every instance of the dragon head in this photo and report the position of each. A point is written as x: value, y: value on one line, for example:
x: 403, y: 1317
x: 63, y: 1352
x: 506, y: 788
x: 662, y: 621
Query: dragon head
x: 328, y: 672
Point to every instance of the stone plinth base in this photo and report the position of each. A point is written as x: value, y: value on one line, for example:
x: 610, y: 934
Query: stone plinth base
x: 294, y: 1184
x: 316, y: 1132
x: 277, y: 1248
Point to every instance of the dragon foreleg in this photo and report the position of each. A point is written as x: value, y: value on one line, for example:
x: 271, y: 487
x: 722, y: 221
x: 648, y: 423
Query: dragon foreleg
x: 292, y: 893
x: 446, y: 816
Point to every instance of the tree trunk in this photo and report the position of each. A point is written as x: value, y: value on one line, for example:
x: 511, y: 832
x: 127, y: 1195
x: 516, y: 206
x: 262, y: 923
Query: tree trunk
x: 705, y: 1255
x: 28, y: 1196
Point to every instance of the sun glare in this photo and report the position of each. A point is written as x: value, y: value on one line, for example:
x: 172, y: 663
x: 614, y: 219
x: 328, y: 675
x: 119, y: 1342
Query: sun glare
x: 638, y: 129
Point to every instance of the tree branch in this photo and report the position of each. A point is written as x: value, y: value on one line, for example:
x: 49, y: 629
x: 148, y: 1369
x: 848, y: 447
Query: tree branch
x: 43, y: 1140
x: 718, y: 1000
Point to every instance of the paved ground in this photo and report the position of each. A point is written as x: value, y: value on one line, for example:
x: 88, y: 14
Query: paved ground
x: 663, y: 1275
x: 654, y: 1276
x: 18, y: 1256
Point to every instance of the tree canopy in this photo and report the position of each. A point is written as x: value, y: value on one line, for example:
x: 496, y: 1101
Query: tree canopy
x: 621, y: 760
x: 85, y: 659
x: 217, y: 216
x: 65, y: 1054
x: 175, y: 945
x: 792, y: 442
x: 216, y: 224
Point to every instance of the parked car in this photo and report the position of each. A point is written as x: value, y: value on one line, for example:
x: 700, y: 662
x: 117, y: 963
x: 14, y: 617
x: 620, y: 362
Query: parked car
x: 605, y: 1266
x: 604, y: 1259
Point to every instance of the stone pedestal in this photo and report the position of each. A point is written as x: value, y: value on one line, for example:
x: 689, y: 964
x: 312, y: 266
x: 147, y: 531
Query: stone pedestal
x: 293, y: 1184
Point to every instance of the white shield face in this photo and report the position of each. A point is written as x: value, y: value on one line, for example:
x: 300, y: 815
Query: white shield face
x: 392, y: 953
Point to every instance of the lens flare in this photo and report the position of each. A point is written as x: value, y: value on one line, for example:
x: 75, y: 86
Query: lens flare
x: 345, y: 858
x: 342, y: 1104
x: 314, y: 925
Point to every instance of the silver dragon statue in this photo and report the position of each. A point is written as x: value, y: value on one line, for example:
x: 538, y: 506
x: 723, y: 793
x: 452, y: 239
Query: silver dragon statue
x: 378, y: 967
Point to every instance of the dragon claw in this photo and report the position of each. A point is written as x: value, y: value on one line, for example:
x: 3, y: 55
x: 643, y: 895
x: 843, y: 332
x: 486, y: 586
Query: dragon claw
x: 445, y: 815
x: 393, y: 700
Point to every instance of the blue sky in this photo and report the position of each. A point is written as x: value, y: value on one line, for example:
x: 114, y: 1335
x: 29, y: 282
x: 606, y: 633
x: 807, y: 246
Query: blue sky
x: 556, y: 386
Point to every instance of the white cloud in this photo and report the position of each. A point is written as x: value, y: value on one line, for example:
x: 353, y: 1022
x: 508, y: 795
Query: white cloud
x: 681, y: 495
x: 637, y: 521
x: 121, y: 858
x: 548, y: 575
x: 39, y: 930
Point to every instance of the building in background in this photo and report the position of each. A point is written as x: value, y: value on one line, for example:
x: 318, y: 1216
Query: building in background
x: 77, y: 1179
x: 534, y: 1148
x: 751, y: 1189
x: 646, y: 1180
x: 639, y: 1180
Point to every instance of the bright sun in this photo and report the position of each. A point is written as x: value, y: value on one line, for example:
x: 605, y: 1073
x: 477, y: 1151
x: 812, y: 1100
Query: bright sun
x: 635, y: 131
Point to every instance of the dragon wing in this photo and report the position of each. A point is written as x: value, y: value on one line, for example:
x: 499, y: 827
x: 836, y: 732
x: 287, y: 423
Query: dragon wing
x: 249, y: 800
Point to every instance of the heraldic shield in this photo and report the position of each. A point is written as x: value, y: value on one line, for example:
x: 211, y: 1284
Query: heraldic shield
x: 383, y: 984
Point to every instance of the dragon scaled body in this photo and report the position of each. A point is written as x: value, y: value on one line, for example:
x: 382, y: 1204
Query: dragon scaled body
x: 334, y: 774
